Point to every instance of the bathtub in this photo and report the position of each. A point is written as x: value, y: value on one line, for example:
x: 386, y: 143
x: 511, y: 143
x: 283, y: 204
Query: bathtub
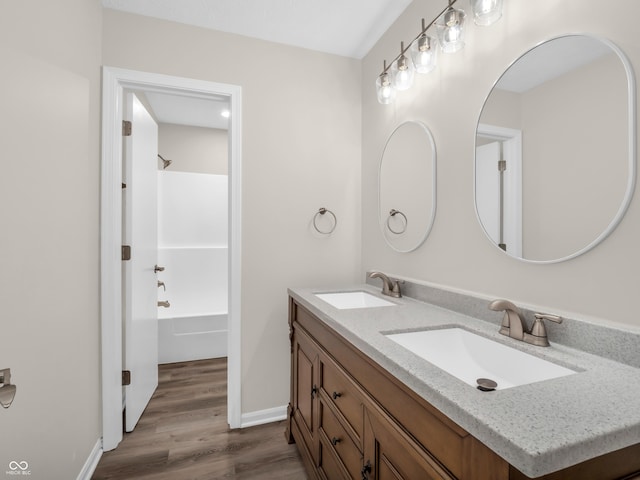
x: 181, y: 339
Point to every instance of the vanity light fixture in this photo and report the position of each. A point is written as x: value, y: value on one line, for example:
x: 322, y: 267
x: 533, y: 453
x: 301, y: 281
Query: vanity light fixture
x: 384, y: 88
x: 450, y: 30
x: 402, y: 71
x: 486, y: 12
x: 424, y: 52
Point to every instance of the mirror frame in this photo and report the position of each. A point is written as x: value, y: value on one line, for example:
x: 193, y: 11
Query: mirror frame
x: 632, y: 150
x: 432, y: 215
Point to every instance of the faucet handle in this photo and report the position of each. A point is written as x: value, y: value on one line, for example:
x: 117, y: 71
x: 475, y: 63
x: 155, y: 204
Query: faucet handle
x: 539, y: 331
x: 395, y: 290
x: 548, y: 316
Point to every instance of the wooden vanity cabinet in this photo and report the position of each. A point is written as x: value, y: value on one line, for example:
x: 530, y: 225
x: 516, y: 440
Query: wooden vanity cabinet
x: 353, y: 420
x: 344, y: 431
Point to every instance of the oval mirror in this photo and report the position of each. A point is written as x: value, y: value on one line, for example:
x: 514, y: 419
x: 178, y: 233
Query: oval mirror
x: 407, y: 186
x: 555, y: 150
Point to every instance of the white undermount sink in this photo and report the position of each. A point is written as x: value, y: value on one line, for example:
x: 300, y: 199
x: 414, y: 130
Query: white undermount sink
x: 345, y: 300
x: 469, y: 357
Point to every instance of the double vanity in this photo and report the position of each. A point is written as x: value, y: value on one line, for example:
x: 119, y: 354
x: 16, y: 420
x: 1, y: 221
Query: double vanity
x: 386, y: 387
x: 442, y: 385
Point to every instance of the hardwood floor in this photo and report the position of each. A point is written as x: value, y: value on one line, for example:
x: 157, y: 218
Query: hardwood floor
x: 183, y: 434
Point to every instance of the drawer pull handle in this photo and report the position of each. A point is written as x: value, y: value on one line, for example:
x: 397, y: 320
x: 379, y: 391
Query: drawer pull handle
x: 336, y: 395
x: 335, y: 441
x: 314, y: 391
x: 366, y: 470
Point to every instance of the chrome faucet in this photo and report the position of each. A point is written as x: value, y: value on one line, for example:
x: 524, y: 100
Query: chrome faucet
x: 164, y: 303
x: 389, y: 287
x: 514, y: 326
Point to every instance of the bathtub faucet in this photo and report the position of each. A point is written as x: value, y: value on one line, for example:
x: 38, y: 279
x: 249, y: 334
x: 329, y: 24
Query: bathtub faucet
x: 164, y: 304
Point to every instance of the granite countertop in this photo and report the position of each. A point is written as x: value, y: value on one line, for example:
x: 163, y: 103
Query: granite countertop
x: 538, y: 428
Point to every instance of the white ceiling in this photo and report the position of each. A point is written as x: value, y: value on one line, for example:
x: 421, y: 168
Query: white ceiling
x: 551, y: 60
x: 343, y: 27
x: 192, y: 111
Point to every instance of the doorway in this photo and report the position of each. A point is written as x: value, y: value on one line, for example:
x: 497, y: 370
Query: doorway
x: 192, y: 212
x: 115, y: 81
x: 498, y: 185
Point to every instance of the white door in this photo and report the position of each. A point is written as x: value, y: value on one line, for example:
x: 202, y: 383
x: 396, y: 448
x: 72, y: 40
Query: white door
x: 140, y: 279
x: 488, y: 188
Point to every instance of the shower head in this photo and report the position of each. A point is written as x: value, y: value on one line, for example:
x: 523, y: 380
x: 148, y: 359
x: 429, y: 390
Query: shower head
x: 165, y: 163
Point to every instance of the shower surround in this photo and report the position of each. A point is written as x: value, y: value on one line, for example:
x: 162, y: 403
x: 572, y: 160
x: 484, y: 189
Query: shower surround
x: 193, y: 248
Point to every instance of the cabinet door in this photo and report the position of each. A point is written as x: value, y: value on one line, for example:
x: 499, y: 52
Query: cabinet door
x: 305, y: 390
x: 390, y: 454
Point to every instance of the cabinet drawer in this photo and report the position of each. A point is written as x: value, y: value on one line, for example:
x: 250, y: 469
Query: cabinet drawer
x: 329, y: 464
x: 343, y: 395
x: 336, y: 438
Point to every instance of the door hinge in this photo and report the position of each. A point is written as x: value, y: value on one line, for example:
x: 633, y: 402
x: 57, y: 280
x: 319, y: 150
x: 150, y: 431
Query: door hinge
x: 502, y: 165
x: 126, y: 252
x: 126, y: 128
x: 126, y: 377
x: 124, y: 185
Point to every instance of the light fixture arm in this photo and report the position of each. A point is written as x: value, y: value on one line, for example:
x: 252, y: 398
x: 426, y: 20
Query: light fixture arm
x: 423, y: 31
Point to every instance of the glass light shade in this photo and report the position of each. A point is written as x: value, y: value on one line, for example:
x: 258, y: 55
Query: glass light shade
x: 384, y: 89
x: 424, y: 53
x: 402, y: 72
x: 450, y: 28
x: 486, y: 12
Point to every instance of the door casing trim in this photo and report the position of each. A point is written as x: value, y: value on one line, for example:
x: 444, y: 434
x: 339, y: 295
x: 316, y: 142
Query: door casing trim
x: 114, y: 81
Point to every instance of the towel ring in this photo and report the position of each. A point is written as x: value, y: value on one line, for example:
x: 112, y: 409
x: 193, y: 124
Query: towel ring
x: 392, y: 213
x: 320, y: 212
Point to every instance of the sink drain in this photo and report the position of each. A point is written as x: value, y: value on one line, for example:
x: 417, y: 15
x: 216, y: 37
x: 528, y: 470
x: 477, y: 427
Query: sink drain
x: 486, y: 384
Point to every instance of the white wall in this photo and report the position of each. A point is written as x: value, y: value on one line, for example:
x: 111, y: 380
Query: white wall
x: 600, y: 285
x: 49, y: 249
x: 301, y: 151
x: 574, y: 180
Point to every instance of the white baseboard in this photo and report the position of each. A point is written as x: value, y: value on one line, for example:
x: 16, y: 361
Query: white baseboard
x: 261, y: 417
x: 92, y: 462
